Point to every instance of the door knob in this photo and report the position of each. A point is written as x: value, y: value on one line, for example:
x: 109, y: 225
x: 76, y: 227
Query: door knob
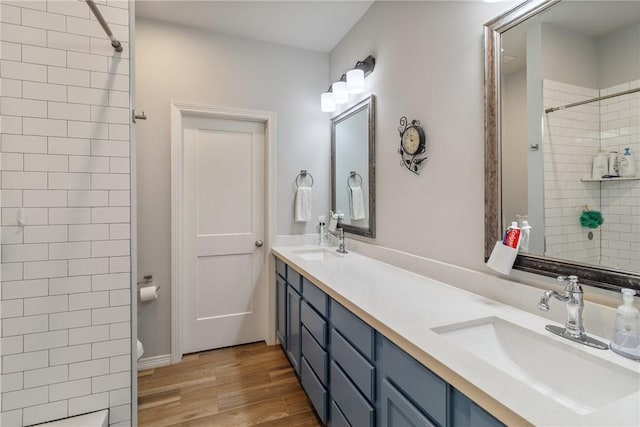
x: 259, y: 243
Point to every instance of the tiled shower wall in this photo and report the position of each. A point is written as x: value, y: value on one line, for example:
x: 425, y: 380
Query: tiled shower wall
x: 66, y: 346
x: 572, y: 138
x: 620, y: 128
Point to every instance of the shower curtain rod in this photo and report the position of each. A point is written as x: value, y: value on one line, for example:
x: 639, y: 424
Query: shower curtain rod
x: 114, y: 42
x: 600, y: 98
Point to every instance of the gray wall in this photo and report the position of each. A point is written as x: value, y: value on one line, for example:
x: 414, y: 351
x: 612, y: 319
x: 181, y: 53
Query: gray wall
x: 431, y: 71
x: 569, y: 57
x: 183, y: 64
x: 514, y: 146
x: 621, y: 48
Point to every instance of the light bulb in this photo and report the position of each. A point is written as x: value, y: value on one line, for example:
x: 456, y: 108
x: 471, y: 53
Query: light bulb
x: 340, y: 94
x: 355, y: 81
x: 327, y: 103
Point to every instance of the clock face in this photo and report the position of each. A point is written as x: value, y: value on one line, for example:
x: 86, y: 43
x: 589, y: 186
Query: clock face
x: 411, y: 140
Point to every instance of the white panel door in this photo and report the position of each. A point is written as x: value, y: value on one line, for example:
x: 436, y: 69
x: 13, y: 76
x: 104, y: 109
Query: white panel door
x: 223, y: 296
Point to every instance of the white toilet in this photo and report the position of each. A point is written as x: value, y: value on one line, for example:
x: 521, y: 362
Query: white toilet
x: 140, y: 350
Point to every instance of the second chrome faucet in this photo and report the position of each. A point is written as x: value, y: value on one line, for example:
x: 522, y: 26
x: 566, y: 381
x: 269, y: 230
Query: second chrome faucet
x: 574, y: 302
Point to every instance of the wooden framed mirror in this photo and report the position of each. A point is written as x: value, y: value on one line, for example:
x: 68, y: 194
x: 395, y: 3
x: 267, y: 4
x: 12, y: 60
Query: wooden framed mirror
x: 563, y: 49
x: 353, y: 168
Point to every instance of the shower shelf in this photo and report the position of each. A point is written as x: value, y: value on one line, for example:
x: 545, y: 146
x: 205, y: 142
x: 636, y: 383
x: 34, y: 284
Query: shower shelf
x: 609, y: 179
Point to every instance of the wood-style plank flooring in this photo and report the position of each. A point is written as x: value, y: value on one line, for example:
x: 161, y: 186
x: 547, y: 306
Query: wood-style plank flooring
x: 248, y: 385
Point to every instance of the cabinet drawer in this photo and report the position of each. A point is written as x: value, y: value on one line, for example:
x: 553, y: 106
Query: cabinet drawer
x: 316, y: 325
x: 337, y: 417
x: 358, y: 369
x: 424, y: 387
x: 316, y: 297
x: 355, y: 407
x: 315, y: 390
x: 281, y: 268
x: 294, y: 279
x: 317, y: 358
x: 354, y: 329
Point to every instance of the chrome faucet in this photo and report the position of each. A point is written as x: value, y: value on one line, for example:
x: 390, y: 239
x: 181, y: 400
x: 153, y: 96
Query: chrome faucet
x: 573, y: 299
x: 337, y: 232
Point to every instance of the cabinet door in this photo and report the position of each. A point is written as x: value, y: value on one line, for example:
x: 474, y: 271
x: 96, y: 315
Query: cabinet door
x: 293, y: 328
x: 281, y: 313
x: 397, y: 410
x: 426, y: 389
x: 466, y: 413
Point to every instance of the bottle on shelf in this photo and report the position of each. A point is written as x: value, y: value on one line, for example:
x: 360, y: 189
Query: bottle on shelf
x: 600, y: 165
x: 627, y: 165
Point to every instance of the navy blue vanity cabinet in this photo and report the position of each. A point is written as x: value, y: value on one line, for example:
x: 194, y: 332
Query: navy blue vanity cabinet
x: 411, y: 393
x: 292, y: 321
x: 352, y: 370
x: 314, y: 374
x: 353, y: 375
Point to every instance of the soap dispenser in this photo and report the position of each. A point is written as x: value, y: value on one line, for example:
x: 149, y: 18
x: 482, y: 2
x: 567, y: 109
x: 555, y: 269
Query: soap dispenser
x: 626, y: 337
x: 627, y: 165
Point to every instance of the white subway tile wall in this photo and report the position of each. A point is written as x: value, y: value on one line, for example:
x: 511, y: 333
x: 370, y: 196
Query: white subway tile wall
x: 572, y: 138
x: 65, y: 290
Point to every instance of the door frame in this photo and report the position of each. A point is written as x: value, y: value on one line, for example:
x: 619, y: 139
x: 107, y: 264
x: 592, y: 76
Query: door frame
x: 180, y: 110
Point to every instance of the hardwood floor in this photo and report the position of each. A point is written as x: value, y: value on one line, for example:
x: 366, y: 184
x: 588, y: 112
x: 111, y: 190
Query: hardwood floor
x: 248, y: 385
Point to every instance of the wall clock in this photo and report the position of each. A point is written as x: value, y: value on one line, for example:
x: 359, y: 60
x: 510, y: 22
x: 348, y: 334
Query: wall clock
x: 413, y: 144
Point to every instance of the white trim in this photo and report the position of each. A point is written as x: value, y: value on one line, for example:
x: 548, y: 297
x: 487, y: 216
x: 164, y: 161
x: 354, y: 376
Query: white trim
x: 133, y: 212
x: 154, y: 362
x: 178, y: 111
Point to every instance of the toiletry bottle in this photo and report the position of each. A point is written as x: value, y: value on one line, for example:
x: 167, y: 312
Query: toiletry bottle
x: 613, y: 164
x: 321, y: 225
x: 525, y: 236
x: 626, y: 337
x: 627, y: 165
x: 512, y: 236
x: 600, y: 165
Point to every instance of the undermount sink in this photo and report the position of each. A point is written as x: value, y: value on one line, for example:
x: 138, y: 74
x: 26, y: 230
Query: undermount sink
x: 320, y: 254
x: 574, y: 378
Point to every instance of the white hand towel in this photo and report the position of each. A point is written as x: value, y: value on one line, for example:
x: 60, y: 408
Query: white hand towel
x: 357, y: 203
x: 303, y: 204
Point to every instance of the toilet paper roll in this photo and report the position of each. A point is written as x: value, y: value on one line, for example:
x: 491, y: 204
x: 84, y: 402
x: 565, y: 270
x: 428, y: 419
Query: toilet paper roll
x: 148, y: 293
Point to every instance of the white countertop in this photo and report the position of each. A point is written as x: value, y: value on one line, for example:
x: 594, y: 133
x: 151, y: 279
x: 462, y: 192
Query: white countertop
x: 405, y: 306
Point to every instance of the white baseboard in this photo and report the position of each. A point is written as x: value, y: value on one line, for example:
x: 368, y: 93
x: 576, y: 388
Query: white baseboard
x: 154, y: 362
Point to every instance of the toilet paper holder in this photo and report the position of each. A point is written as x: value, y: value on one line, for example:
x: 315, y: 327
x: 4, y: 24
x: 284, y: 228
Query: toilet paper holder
x: 146, y: 280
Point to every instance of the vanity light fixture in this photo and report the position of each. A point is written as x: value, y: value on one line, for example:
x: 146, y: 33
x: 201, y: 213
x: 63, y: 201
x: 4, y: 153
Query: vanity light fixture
x: 352, y: 82
x: 327, y: 104
x: 340, y: 94
x: 355, y: 81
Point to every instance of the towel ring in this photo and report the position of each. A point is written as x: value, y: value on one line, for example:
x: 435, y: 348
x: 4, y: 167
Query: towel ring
x: 354, y: 175
x: 301, y: 176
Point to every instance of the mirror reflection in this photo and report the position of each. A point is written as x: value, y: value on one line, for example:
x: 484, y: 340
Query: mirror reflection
x: 352, y: 168
x: 570, y: 132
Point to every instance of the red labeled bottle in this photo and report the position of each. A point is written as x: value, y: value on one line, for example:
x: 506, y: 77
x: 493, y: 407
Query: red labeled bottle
x: 512, y: 236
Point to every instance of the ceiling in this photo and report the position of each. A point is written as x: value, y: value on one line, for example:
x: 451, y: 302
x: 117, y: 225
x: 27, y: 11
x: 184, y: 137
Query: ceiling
x: 307, y: 24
